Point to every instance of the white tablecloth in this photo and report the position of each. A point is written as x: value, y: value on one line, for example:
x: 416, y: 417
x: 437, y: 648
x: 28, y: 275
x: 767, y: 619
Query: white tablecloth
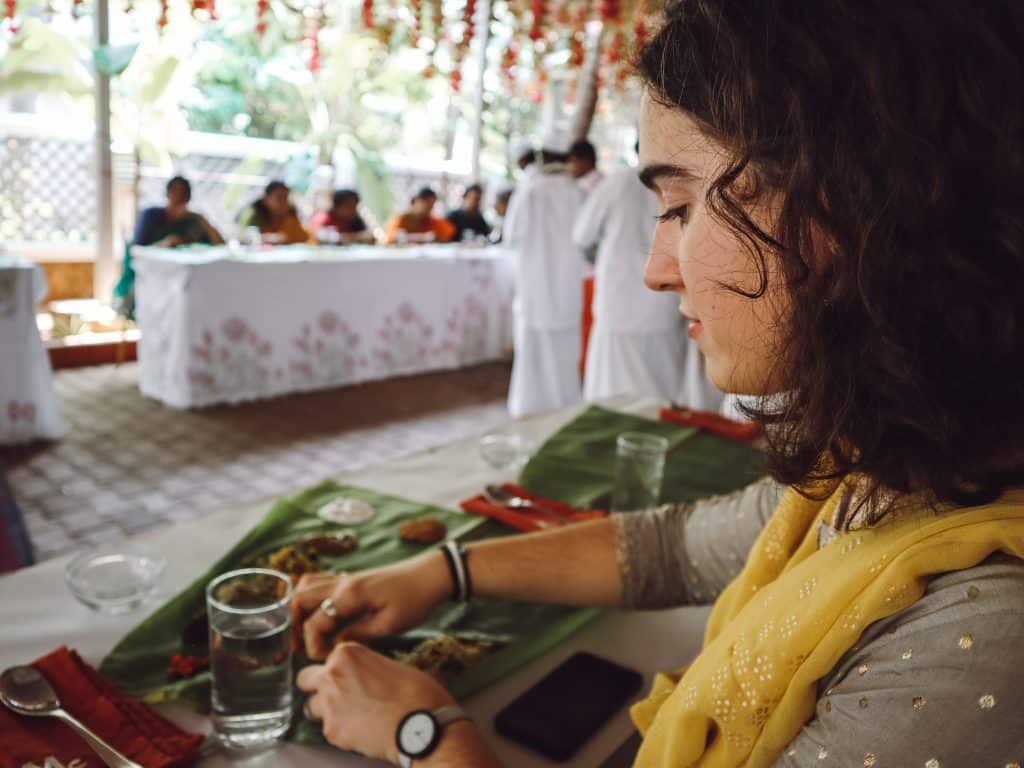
x: 28, y: 403
x: 38, y: 614
x: 222, y: 326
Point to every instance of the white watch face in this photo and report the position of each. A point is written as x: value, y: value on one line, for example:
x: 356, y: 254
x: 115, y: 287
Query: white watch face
x: 417, y: 734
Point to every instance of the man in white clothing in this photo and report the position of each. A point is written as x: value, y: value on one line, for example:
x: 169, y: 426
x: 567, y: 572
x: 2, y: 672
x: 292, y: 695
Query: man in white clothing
x: 583, y: 165
x: 638, y: 340
x: 549, y: 276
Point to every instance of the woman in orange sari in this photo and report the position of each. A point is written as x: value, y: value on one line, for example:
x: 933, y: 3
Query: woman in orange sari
x: 842, y: 219
x: 418, y: 224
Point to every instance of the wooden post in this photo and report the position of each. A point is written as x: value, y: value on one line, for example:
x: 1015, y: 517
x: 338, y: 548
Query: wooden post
x: 104, y: 266
x: 587, y: 89
x: 483, y: 37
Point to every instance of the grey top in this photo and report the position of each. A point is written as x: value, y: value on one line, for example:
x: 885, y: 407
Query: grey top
x: 938, y: 685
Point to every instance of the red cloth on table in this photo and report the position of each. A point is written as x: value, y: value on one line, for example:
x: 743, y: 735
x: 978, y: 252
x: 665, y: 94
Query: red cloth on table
x: 588, y: 320
x: 744, y: 431
x: 528, y: 520
x: 126, y: 724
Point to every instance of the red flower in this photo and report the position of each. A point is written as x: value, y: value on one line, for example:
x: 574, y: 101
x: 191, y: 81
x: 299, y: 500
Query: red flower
x: 328, y: 321
x: 235, y: 328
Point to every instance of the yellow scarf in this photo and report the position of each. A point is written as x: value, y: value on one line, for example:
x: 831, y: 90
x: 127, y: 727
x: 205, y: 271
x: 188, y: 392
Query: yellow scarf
x: 793, y: 612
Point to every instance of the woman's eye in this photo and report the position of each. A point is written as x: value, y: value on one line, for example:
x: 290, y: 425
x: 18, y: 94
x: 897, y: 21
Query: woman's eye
x: 679, y: 213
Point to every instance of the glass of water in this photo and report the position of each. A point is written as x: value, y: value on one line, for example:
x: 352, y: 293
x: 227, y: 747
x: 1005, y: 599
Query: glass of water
x: 639, y: 469
x: 250, y: 656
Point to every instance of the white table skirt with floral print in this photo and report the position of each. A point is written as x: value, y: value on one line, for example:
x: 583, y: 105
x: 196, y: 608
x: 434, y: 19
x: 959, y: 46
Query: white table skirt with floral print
x: 223, y: 326
x: 28, y: 403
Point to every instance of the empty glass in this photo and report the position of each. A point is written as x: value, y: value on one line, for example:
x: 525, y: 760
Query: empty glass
x: 639, y: 469
x: 250, y: 656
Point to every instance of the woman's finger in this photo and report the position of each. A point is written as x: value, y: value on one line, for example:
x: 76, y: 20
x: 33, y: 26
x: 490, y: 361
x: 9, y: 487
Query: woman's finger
x: 309, y: 678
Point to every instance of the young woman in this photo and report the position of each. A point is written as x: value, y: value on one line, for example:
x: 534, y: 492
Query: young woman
x: 174, y: 224
x: 842, y: 217
x: 275, y: 215
x: 418, y: 224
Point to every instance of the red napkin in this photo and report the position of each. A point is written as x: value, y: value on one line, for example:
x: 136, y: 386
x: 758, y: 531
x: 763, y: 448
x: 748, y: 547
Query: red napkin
x: 744, y: 431
x: 553, y: 514
x: 126, y: 724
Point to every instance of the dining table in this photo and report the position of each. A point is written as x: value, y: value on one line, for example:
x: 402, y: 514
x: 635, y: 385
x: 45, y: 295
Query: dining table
x: 29, y: 409
x: 38, y: 613
x: 234, y: 323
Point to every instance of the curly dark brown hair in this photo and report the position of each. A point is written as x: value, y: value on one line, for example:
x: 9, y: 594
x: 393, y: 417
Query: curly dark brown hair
x: 892, y: 134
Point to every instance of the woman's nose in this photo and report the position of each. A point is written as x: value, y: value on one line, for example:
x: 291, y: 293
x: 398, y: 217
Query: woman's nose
x: 662, y: 270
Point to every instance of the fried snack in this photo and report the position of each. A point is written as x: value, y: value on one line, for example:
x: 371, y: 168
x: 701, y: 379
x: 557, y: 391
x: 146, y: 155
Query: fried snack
x: 426, y: 530
x: 330, y: 546
x: 445, y: 657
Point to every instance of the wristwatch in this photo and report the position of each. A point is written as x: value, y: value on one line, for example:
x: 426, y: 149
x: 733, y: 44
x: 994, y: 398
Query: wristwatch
x: 420, y: 732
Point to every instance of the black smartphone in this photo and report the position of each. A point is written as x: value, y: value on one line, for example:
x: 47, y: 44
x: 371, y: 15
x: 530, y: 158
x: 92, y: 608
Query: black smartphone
x: 559, y: 714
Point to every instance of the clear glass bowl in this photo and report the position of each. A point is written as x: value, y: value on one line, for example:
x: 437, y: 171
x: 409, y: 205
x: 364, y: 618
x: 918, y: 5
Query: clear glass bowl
x: 506, y: 451
x: 114, y: 579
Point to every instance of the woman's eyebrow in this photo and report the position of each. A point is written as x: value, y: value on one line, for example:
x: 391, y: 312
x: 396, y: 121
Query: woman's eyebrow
x: 650, y: 174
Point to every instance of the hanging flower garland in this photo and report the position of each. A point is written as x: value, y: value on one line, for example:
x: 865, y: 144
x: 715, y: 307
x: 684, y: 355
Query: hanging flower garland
x: 641, y: 32
x: 537, y: 6
x: 10, y: 7
x: 416, y: 30
x: 509, y: 59
x: 314, y: 16
x: 578, y: 37
x: 368, y: 20
x: 262, y: 6
x: 162, y: 21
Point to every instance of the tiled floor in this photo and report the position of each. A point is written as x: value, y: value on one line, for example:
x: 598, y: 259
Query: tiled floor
x: 129, y: 464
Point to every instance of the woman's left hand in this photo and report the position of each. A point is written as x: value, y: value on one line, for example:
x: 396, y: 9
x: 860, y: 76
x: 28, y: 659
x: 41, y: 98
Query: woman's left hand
x: 361, y: 696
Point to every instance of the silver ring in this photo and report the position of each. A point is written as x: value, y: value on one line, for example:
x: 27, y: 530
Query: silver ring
x: 327, y: 606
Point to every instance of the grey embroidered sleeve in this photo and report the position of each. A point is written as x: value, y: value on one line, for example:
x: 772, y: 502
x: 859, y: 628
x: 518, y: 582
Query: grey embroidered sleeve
x: 938, y: 685
x: 688, y: 553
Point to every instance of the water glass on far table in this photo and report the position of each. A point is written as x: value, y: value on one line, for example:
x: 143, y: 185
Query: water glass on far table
x: 250, y: 656
x: 639, y: 468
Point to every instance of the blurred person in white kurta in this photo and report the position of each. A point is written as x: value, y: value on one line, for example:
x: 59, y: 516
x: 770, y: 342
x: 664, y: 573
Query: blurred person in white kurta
x: 549, y: 277
x: 638, y: 341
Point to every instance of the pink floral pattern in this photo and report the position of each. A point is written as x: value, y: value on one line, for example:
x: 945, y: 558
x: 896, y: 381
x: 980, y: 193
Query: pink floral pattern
x: 404, y: 342
x: 23, y: 413
x: 330, y: 354
x: 238, y: 362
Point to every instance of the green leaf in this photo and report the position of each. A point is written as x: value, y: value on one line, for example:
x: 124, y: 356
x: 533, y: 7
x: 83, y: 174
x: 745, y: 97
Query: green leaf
x: 577, y: 464
x: 159, y: 79
x: 38, y: 82
x: 112, y: 60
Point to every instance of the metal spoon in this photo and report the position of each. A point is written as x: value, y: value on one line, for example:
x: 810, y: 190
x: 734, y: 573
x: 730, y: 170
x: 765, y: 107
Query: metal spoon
x: 495, y: 494
x: 25, y: 691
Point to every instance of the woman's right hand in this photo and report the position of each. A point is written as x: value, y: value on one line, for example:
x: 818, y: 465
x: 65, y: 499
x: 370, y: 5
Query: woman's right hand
x: 384, y: 601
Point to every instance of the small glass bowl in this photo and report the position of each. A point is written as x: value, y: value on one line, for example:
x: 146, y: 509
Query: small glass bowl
x: 505, y: 451
x: 114, y: 579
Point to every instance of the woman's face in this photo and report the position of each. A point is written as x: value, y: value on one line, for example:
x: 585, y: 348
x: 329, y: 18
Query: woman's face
x: 278, y: 202
x: 692, y: 254
x: 423, y: 206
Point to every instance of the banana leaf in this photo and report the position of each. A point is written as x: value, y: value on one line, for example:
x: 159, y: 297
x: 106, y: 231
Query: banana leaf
x: 522, y: 631
x: 577, y: 464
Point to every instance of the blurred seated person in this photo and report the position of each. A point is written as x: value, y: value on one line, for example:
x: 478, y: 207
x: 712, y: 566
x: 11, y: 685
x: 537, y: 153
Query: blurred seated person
x: 418, y: 224
x: 468, y: 220
x: 276, y: 216
x: 171, y: 225
x: 342, y: 223
x: 498, y: 213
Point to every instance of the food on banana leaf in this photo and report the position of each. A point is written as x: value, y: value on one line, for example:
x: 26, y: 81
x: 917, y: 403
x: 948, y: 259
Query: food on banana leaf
x: 445, y: 657
x: 426, y: 530
x: 183, y: 666
x: 330, y: 546
x: 291, y: 560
